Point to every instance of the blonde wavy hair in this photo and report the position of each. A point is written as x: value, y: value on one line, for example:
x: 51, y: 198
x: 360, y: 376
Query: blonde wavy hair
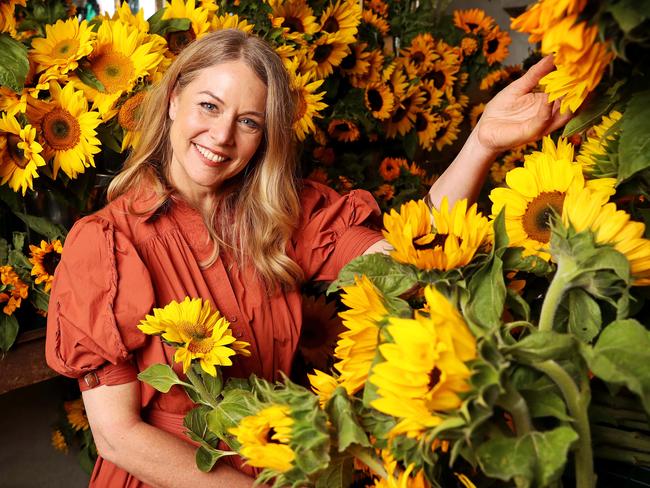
x: 257, y: 211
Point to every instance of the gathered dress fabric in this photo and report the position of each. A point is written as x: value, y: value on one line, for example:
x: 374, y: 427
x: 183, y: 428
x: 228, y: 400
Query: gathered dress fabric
x: 117, y: 265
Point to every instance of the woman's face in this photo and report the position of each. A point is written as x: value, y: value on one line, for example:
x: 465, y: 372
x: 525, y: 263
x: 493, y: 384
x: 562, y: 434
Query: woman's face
x: 217, y: 125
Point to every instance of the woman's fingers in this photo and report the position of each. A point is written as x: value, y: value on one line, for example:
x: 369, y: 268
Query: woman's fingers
x: 531, y: 78
x: 559, y: 120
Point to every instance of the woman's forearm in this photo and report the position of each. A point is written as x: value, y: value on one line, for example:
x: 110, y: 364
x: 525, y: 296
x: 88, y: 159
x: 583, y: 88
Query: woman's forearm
x: 466, y: 174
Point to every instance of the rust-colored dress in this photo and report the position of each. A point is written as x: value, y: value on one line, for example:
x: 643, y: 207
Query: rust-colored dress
x: 116, y: 266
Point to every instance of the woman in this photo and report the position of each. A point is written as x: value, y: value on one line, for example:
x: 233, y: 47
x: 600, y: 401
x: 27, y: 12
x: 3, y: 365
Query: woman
x: 209, y: 206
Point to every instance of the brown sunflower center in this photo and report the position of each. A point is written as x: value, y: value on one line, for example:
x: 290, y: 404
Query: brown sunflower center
x: 65, y: 48
x: 114, y: 71
x: 417, y: 58
x: 341, y: 128
x: 200, y: 345
x: 350, y: 60
x: 536, y: 219
x: 16, y: 154
x: 434, y: 378
x: 269, y: 435
x: 492, y: 46
x: 322, y: 53
x: 61, y: 130
x: 331, y: 25
x: 131, y: 112
x: 402, y: 111
x: 314, y: 335
x: 421, y: 122
x: 375, y: 100
x: 293, y: 24
x: 176, y: 41
x: 438, y: 78
x: 471, y: 25
x: 51, y: 261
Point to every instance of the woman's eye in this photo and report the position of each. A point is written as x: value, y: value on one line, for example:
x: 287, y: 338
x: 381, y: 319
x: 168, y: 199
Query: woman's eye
x: 208, y: 106
x: 250, y: 123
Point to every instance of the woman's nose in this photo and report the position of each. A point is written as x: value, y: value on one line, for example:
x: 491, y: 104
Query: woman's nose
x: 222, y: 130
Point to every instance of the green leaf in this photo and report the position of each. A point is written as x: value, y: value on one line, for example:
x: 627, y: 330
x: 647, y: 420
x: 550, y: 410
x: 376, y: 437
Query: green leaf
x: 534, y: 459
x: 236, y: 405
x: 513, y: 260
x: 89, y: 78
x: 8, y: 331
x: 162, y: 27
x: 487, y: 294
x: 207, y: 457
x: 629, y: 13
x: 500, y: 234
x: 540, y: 346
x: 345, y: 422
x: 162, y: 377
x: 590, y: 114
x: 634, y: 146
x: 621, y: 356
x: 410, y: 143
x: 391, y: 277
x: 39, y: 299
x: 213, y: 384
x: 544, y: 403
x: 18, y: 240
x: 18, y: 260
x: 43, y: 226
x: 585, y: 318
x: 339, y: 474
x: 13, y: 63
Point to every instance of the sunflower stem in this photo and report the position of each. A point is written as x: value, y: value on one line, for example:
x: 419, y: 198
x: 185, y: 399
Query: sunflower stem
x: 553, y: 297
x: 367, y: 457
x: 199, y: 386
x: 514, y: 403
x: 578, y: 402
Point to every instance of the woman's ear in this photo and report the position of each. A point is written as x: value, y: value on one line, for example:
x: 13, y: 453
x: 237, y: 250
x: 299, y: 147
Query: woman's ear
x: 173, y: 104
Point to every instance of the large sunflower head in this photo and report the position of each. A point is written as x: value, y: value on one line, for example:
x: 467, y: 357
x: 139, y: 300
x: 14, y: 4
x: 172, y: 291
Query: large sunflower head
x: 495, y: 45
x: 379, y: 100
x: 198, y: 333
x: 199, y: 23
x: 13, y: 290
x: 68, y: 131
x: 403, y: 117
x: 342, y: 19
x: 309, y: 99
x: 451, y: 118
x: 423, y: 371
x: 420, y: 55
x: 473, y: 21
x: 64, y: 44
x: 128, y: 116
x: 297, y: 18
x: 356, y: 62
x: 432, y: 239
x: 320, y: 330
x: 327, y: 52
x: 537, y: 190
x: 427, y: 125
x: 265, y: 438
x: 20, y: 154
x: 44, y: 259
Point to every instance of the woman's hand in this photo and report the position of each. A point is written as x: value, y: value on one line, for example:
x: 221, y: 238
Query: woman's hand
x: 518, y: 114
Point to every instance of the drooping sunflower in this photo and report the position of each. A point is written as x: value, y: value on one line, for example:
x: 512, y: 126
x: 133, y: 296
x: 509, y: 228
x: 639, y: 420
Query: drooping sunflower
x: 495, y: 45
x: 539, y: 188
x: 328, y: 52
x: 199, y: 23
x: 20, y: 154
x: 119, y: 59
x: 343, y: 130
x: 356, y: 347
x: 76, y: 414
x: 432, y: 239
x: 586, y: 211
x: 342, y: 19
x: 68, y: 131
x: 473, y: 21
x: 452, y: 117
x: 420, y: 55
x: 13, y: 290
x: 356, y: 62
x: 379, y: 100
x: 597, y: 141
x: 377, y: 22
x: 297, y: 18
x: 128, y: 116
x: 390, y: 168
x: 265, y: 437
x: 402, y: 119
x: 375, y: 61
x: 424, y: 368
x: 64, y: 44
x: 427, y: 125
x: 199, y: 333
x: 44, y: 259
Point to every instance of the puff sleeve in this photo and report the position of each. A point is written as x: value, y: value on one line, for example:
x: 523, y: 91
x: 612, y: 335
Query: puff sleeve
x: 334, y: 229
x: 101, y: 291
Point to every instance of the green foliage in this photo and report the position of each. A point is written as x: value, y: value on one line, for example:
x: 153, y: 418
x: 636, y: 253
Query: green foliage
x: 13, y: 63
x: 8, y: 331
x: 634, y: 146
x: 343, y: 417
x: 161, y: 377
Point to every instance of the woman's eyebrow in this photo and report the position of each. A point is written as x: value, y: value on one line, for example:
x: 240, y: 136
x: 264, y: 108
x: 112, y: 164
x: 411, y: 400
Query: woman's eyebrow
x: 248, y: 112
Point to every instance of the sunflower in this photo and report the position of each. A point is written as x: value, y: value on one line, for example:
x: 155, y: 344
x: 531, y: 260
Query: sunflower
x: 328, y: 53
x: 494, y: 77
x: 473, y: 21
x: 44, y: 261
x: 342, y: 19
x: 390, y: 168
x: 424, y: 370
x: 323, y: 385
x: 265, y: 437
x: 427, y: 125
x: 309, y: 101
x: 385, y: 191
x: 355, y: 349
x: 7, y: 17
x: 199, y: 24
x: 356, y: 62
x: 230, y: 21
x: 539, y: 188
x: 495, y: 46
x: 380, y: 7
x: 597, y: 141
x: 119, y: 59
x: 64, y: 44
x: 442, y: 75
x: 402, y: 119
x: 450, y: 55
x: 68, y: 131
x: 125, y: 14
x: 320, y: 330
x: 585, y: 210
x: 375, y: 61
x: 76, y: 414
x: 12, y: 289
x: 343, y: 130
x: 297, y: 18
x: 12, y: 102
x: 128, y: 116
x: 420, y: 55
x: 200, y: 333
x: 432, y: 96
x: 19, y: 154
x: 379, y: 100
x: 475, y: 114
x: 379, y: 23
x: 432, y: 239
x: 402, y: 479
x: 468, y: 46
x: 58, y: 441
x: 452, y: 117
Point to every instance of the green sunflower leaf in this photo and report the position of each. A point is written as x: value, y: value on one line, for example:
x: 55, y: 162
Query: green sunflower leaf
x: 339, y: 474
x: 634, y: 146
x: 483, y: 306
x: 534, y: 459
x: 345, y: 422
x: 13, y: 63
x: 544, y: 403
x: 8, y: 331
x: 591, y: 112
x: 89, y: 78
x: 629, y: 13
x: 514, y: 260
x: 585, y: 318
x: 39, y: 299
x: 161, y: 377
x: 540, y: 346
x: 621, y: 357
x: 235, y: 405
x: 43, y: 226
x: 207, y: 457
